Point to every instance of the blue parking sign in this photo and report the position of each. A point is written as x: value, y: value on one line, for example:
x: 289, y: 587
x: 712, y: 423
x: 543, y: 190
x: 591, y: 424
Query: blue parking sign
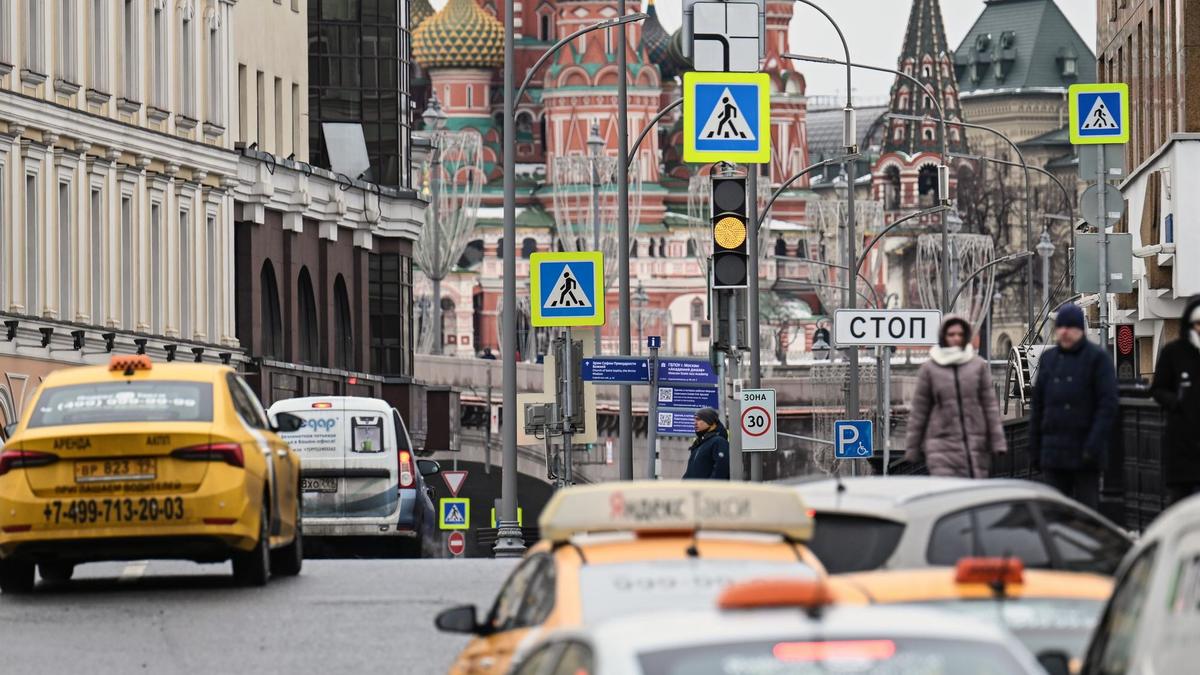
x: 853, y: 439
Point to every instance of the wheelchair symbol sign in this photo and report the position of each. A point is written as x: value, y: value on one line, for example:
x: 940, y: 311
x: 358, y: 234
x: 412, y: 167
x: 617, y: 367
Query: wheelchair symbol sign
x: 853, y: 439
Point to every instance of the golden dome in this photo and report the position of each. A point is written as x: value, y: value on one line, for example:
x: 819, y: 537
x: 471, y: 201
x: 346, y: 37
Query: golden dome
x: 462, y: 35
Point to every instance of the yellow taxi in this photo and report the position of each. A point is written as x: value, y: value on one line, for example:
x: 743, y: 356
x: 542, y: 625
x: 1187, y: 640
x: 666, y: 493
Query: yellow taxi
x: 1052, y: 613
x: 137, y: 460
x: 620, y: 549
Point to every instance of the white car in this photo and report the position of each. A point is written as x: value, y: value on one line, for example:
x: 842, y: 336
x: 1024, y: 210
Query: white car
x: 1151, y: 625
x: 782, y: 638
x: 359, y: 476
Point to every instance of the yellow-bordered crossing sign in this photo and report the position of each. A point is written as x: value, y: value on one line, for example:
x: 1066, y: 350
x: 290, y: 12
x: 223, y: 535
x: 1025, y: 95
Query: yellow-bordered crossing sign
x: 567, y: 289
x: 1099, y: 113
x: 726, y: 118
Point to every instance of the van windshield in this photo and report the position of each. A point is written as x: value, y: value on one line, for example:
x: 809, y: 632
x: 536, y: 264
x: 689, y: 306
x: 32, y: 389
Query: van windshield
x: 124, y: 401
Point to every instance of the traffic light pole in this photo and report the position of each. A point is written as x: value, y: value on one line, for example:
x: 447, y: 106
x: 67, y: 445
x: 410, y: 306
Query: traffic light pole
x: 752, y: 329
x: 625, y: 399
x: 736, y: 471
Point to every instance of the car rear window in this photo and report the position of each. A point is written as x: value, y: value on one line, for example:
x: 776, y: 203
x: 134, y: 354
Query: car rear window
x: 846, y: 543
x: 861, y: 655
x: 623, y: 589
x: 124, y: 401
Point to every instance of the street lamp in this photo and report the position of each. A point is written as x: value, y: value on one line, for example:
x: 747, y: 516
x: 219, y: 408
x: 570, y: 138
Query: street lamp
x: 1045, y: 249
x: 595, y: 146
x: 435, y: 121
x: 953, y: 226
x: 640, y: 300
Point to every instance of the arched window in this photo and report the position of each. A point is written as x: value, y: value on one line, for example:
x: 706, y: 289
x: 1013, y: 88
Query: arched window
x: 545, y: 138
x: 343, y: 326
x: 691, y: 247
x: 472, y: 254
x: 449, y: 322
x: 662, y: 247
x: 308, y: 325
x: 891, y: 188
x: 697, y: 309
x: 528, y: 247
x: 500, y: 248
x: 780, y: 247
x: 545, y: 33
x: 272, y: 319
x: 650, y: 249
x: 802, y: 249
x: 927, y: 185
x: 633, y: 249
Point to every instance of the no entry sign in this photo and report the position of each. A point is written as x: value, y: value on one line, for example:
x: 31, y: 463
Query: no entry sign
x: 456, y: 543
x: 758, y: 423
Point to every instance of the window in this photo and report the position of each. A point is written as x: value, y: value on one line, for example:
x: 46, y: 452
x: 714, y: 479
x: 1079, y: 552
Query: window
x: 472, y: 254
x: 34, y: 20
x: 539, y: 599
x: 633, y: 249
x: 343, y: 327
x: 309, y: 327
x: 528, y: 247
x: 506, y: 612
x: 697, y: 309
x: 260, y: 104
x: 31, y: 244
x: 296, y: 119
x: 781, y: 248
x: 66, y: 244
x: 1112, y: 647
x: 67, y: 40
x: 5, y: 34
x: 245, y: 403
x: 951, y: 540
x: 160, y: 60
x: 156, y: 269
x: 272, y: 320
x: 576, y: 658
x: 1083, y: 543
x: 545, y: 32
x: 1005, y: 529
x: 470, y: 96
x: 96, y: 221
x: 243, y: 118
x: 99, y: 38
x: 540, y: 660
x: 124, y: 401
x: 280, y: 135
x: 215, y: 99
x: 130, y: 52
x: 185, y: 275
x: 127, y: 261
x: 875, y: 541
x: 210, y: 276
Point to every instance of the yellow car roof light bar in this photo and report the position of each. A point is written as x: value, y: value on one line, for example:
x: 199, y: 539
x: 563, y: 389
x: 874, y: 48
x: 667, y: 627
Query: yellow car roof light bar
x: 676, y: 506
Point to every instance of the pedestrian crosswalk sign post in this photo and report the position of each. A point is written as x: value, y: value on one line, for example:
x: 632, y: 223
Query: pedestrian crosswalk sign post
x: 567, y: 289
x: 1099, y: 113
x: 455, y: 513
x: 726, y: 118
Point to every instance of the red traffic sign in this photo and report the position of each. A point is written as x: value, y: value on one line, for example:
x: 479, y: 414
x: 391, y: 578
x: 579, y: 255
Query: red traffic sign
x: 454, y: 481
x: 456, y: 543
x: 756, y: 421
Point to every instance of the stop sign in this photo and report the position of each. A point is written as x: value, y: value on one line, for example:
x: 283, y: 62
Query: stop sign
x: 457, y: 544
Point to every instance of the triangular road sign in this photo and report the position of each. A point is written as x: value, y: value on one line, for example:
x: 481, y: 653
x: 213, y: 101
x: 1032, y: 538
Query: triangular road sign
x: 727, y: 121
x: 566, y: 291
x: 1100, y: 118
x: 454, y: 481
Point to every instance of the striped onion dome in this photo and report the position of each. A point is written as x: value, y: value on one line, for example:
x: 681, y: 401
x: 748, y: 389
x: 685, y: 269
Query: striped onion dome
x: 657, y: 41
x: 462, y: 35
x: 418, y: 11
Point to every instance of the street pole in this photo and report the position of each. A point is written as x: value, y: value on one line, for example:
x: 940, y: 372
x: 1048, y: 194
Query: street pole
x: 487, y: 435
x: 736, y: 471
x: 652, y: 419
x: 436, y: 187
x: 1102, y: 228
x: 752, y: 327
x: 885, y: 375
x: 625, y: 426
x: 595, y: 146
x: 510, y: 542
x: 568, y: 410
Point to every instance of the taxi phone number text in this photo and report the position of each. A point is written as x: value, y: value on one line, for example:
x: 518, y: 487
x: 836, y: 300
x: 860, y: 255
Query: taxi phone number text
x: 115, y: 510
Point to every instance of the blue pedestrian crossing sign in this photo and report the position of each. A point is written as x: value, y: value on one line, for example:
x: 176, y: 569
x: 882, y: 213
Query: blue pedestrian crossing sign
x: 1099, y: 113
x: 726, y: 118
x: 455, y: 513
x: 852, y: 439
x: 567, y: 289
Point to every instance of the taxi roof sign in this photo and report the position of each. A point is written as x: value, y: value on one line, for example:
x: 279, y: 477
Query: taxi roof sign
x: 666, y: 506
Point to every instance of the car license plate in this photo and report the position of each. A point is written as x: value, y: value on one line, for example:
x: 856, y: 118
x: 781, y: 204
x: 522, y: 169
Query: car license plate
x: 318, y: 484
x: 115, y: 470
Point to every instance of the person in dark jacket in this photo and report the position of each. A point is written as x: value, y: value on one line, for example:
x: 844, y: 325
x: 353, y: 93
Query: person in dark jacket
x: 1176, y: 387
x: 954, y: 420
x: 1074, y: 405
x: 709, y: 454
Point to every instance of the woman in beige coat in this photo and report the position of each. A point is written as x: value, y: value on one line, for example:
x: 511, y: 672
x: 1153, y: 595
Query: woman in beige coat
x: 954, y: 422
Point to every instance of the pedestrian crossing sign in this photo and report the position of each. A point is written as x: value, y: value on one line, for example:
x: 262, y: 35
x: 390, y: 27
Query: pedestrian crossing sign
x: 455, y: 513
x: 1099, y: 113
x: 567, y: 289
x: 726, y: 118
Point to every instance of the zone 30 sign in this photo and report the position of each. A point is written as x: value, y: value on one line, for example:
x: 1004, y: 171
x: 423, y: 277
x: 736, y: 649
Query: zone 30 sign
x: 886, y: 327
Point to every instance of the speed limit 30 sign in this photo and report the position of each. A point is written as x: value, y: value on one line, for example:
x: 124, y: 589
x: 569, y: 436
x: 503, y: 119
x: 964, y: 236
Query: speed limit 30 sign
x: 758, y: 423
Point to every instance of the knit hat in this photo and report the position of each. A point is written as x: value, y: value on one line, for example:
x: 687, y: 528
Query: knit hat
x: 708, y: 415
x: 1069, y: 316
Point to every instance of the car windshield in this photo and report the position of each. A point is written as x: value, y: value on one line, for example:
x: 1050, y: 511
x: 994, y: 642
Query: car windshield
x: 622, y: 589
x: 1040, y: 623
x: 124, y: 401
x: 866, y: 655
x: 874, y: 540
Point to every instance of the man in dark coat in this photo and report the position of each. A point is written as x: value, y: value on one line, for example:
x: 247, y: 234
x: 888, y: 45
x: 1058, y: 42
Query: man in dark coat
x: 1176, y: 387
x: 1074, y: 405
x: 709, y: 455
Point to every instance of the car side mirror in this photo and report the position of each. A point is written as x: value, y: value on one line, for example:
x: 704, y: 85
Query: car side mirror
x: 428, y: 467
x: 1055, y: 662
x: 459, y: 619
x: 286, y: 423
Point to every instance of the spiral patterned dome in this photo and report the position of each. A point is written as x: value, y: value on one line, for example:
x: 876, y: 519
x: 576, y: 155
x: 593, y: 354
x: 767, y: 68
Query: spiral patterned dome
x: 462, y: 35
x: 675, y: 62
x: 657, y: 42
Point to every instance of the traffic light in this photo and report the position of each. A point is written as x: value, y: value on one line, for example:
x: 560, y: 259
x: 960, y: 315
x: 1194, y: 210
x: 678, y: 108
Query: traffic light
x: 730, y: 227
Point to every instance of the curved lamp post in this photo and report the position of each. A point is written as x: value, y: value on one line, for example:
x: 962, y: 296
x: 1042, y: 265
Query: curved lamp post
x: 435, y: 122
x: 1008, y: 258
x: 650, y: 125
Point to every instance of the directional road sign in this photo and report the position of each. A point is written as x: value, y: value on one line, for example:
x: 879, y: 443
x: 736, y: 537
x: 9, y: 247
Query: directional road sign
x: 454, y: 481
x: 726, y: 118
x: 454, y: 513
x: 758, y: 421
x: 688, y: 398
x: 886, y: 327
x: 616, y: 370
x: 1099, y: 113
x: 674, y: 370
x: 567, y: 288
x: 726, y: 36
x: 456, y: 543
x: 853, y: 439
x: 676, y: 423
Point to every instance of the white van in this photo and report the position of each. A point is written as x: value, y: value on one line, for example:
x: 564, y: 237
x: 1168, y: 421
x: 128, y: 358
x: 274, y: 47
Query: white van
x: 358, y: 473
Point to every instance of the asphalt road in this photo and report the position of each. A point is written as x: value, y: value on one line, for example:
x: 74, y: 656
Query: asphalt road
x: 338, y: 616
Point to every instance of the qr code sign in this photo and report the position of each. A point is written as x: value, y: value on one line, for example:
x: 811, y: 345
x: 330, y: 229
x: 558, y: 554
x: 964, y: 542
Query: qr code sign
x: 666, y: 419
x: 666, y: 395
